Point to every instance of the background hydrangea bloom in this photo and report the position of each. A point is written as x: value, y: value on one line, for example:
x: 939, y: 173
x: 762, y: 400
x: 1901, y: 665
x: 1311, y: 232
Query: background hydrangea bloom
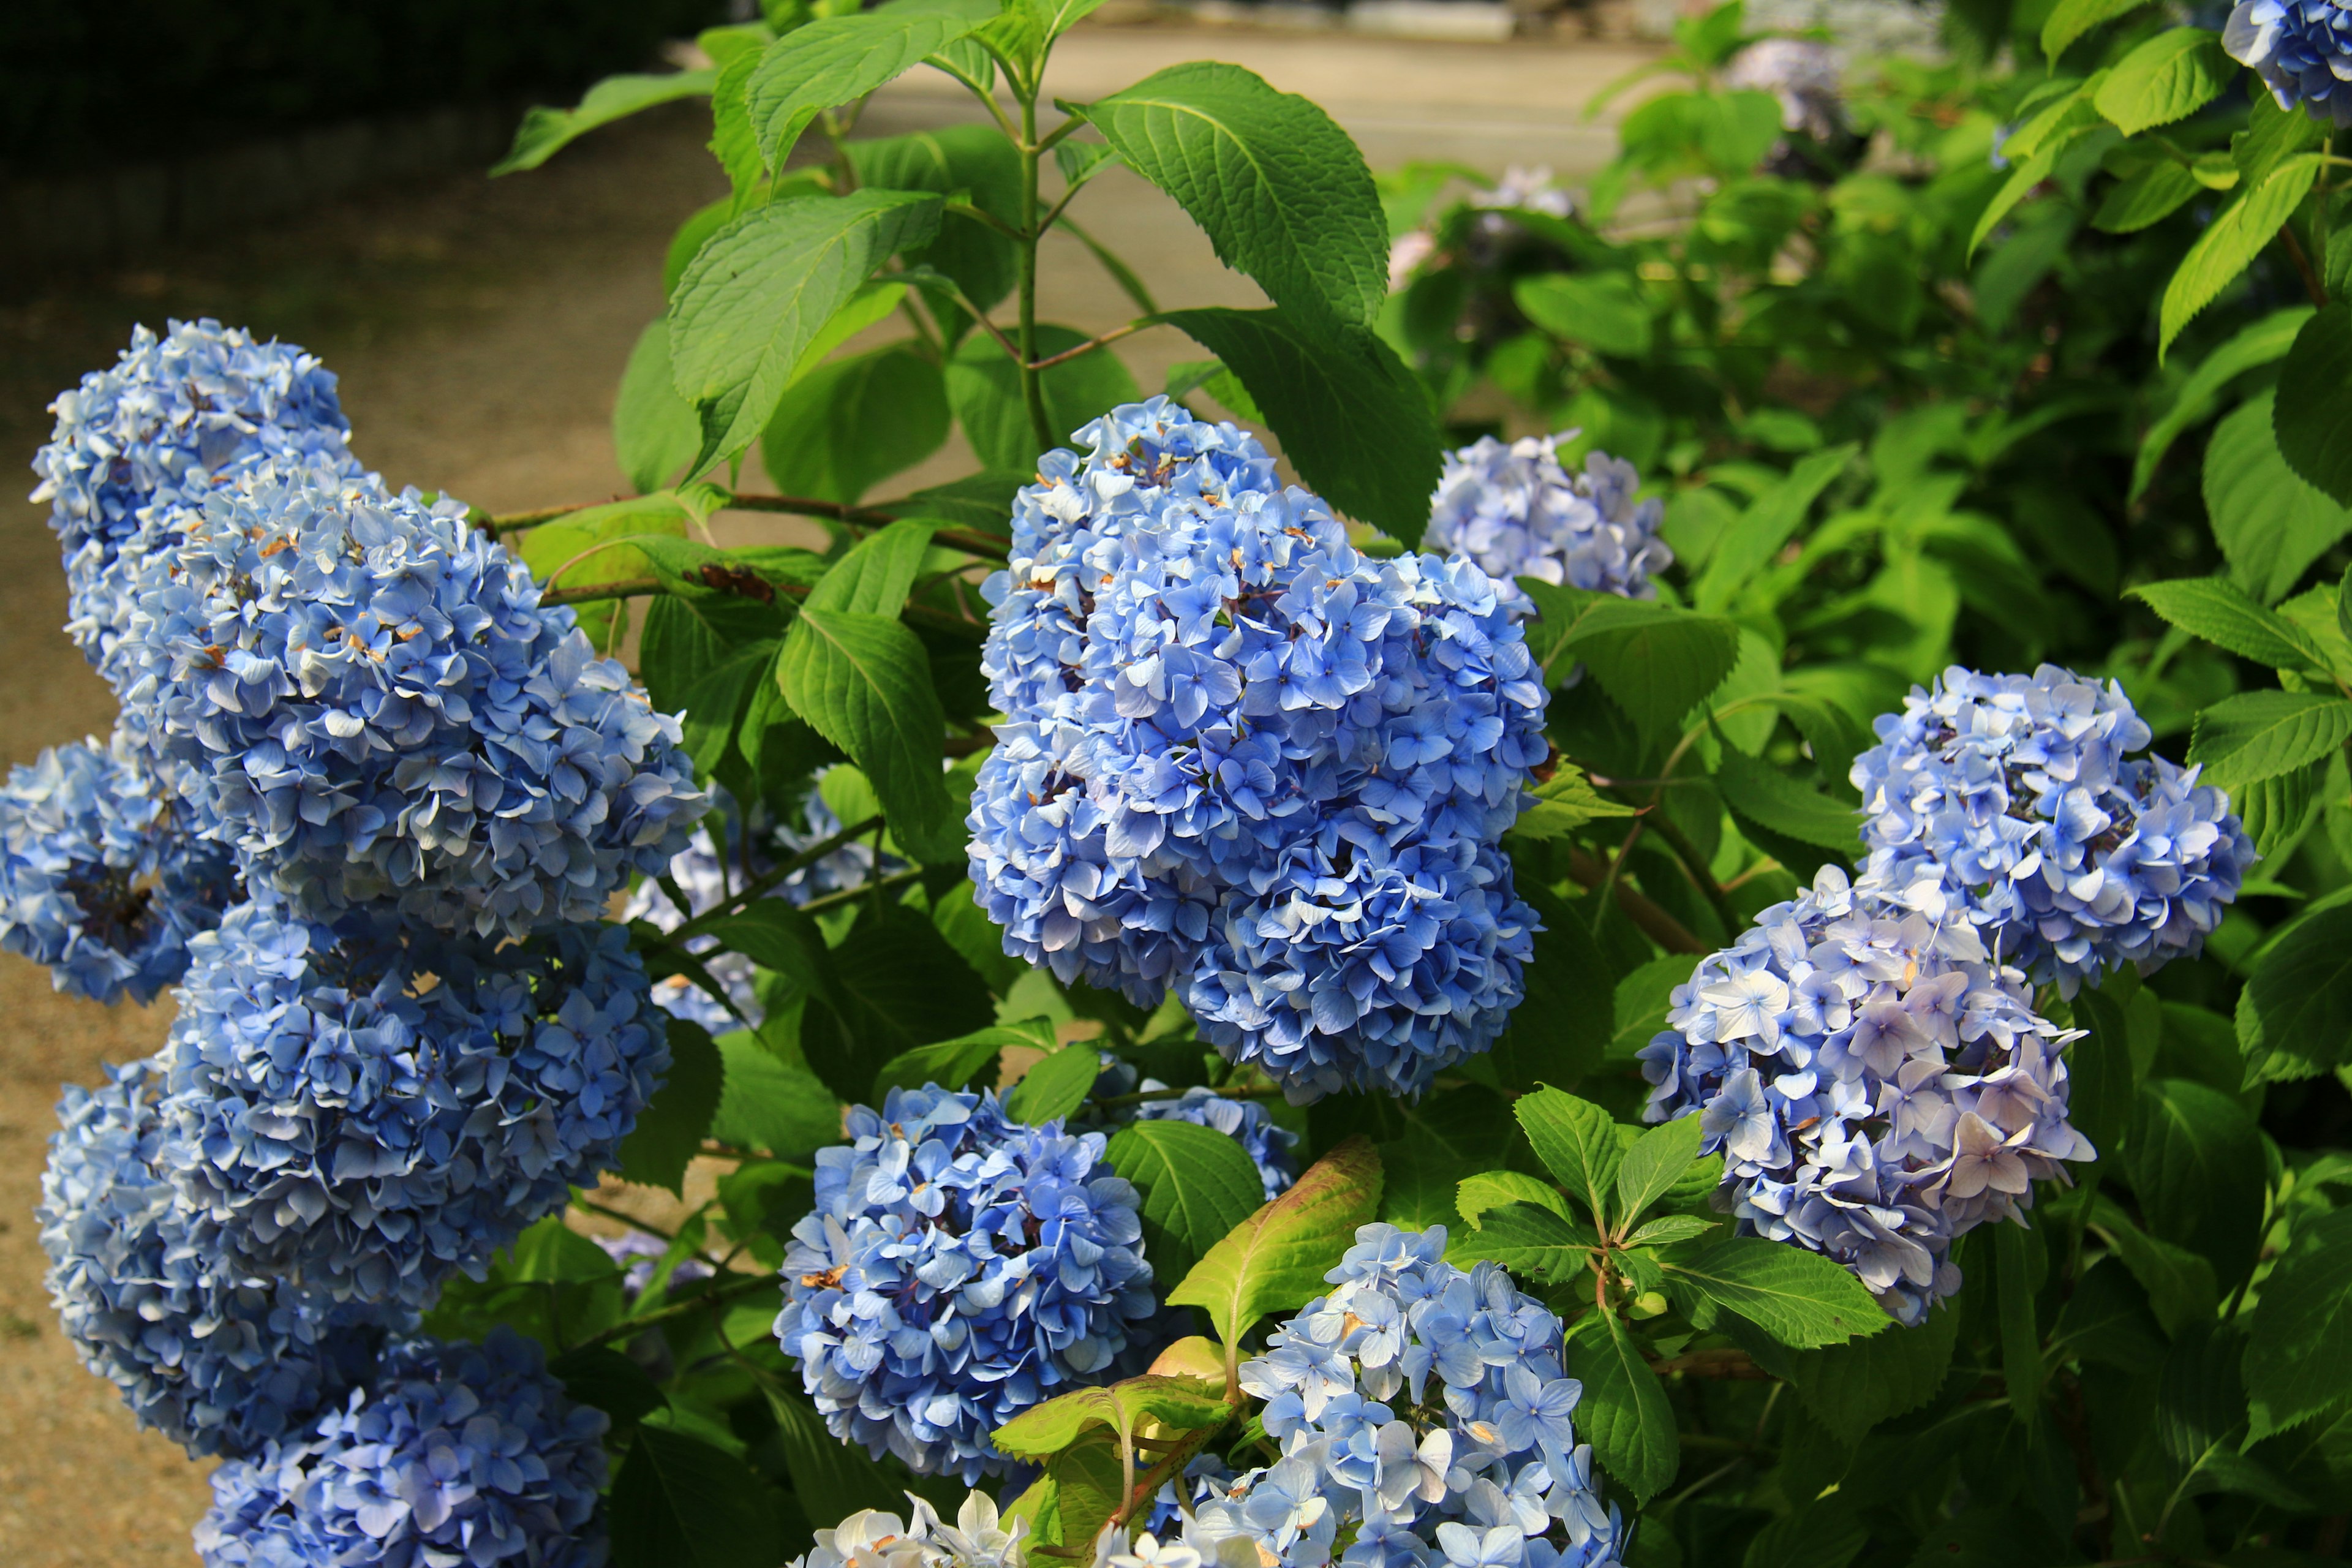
x: 2011, y: 798
x: 2301, y: 49
x: 369, y: 1108
x: 1876, y: 1085
x: 99, y: 877
x: 1245, y: 1121
x: 455, y: 1456
x: 1421, y: 1407
x: 138, y: 446
x: 216, y: 1359
x: 365, y: 693
x: 1805, y: 74
x: 1516, y: 513
x: 1245, y: 761
x: 959, y: 1267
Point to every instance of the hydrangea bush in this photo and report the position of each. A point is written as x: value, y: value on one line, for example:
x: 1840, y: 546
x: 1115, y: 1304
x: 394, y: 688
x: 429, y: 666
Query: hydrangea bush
x: 1360, y: 1006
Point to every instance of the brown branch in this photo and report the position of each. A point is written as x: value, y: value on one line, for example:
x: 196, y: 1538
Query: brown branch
x: 984, y: 545
x: 1654, y: 921
x: 1050, y: 360
x: 1719, y: 1364
x: 2311, y: 284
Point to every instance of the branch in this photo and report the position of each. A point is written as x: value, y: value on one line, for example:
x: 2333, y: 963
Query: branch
x: 753, y: 890
x: 983, y: 215
x: 1654, y: 921
x: 1128, y: 331
x: 711, y: 1298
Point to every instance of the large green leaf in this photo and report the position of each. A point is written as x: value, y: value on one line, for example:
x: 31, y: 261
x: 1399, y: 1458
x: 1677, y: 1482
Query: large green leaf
x: 1802, y: 827
x: 2230, y: 244
x: 2196, y: 1161
x: 1577, y: 1141
x: 1044, y: 1430
x: 2298, y: 1358
x: 2222, y: 613
x: 544, y: 131
x: 1531, y: 1239
x: 829, y: 1474
x: 1351, y: 417
x: 1623, y: 1413
x: 1276, y: 1259
x: 836, y: 58
x: 2170, y: 77
x: 2263, y: 734
x: 2070, y: 20
x: 761, y: 292
x: 1655, y: 662
x: 2270, y: 522
x: 953, y: 1064
x: 848, y: 425
x: 1771, y: 520
x: 2312, y: 414
x: 2146, y: 197
x: 1492, y: 1189
x: 1800, y: 1298
x: 983, y: 386
x: 671, y: 1128
x: 654, y: 431
x: 1554, y: 1036
x: 1056, y: 1087
x: 1196, y: 1183
x: 1602, y: 310
x: 976, y: 163
x: 865, y: 1009
x: 1656, y: 1160
x: 772, y: 1103
x: 864, y: 682
x: 1282, y: 193
x: 1852, y: 1387
x: 2181, y: 1287
x: 681, y: 1502
x: 2294, y: 1016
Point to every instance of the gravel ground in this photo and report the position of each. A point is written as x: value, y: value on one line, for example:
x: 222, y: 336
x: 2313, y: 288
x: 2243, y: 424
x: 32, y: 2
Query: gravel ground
x: 478, y: 329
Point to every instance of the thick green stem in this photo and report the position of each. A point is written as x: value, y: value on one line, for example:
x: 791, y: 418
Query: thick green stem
x: 1033, y: 383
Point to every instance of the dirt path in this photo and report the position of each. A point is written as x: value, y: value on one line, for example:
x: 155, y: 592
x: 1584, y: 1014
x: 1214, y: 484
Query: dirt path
x: 478, y: 329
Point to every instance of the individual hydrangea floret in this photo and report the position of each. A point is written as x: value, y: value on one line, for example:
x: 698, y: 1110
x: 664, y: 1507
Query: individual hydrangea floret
x: 1516, y: 513
x: 871, y: 1538
x: 2301, y: 49
x: 959, y: 1267
x: 1267, y: 1142
x: 369, y: 1108
x: 138, y: 446
x: 453, y: 1456
x: 1422, y: 1412
x: 101, y: 877
x: 1876, y: 1085
x: 367, y: 697
x: 218, y: 1360
x: 1244, y: 760
x: 2012, y: 799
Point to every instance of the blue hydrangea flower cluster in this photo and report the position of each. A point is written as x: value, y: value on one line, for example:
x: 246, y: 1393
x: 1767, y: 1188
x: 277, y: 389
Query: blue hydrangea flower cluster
x: 456, y: 1455
x: 959, y: 1267
x: 2012, y: 799
x: 140, y: 446
x: 1243, y: 760
x: 369, y: 701
x: 100, y: 877
x: 1268, y: 1144
x: 1516, y: 513
x: 871, y: 1538
x: 1876, y: 1084
x: 2301, y: 49
x: 1421, y: 1408
x: 368, y: 1108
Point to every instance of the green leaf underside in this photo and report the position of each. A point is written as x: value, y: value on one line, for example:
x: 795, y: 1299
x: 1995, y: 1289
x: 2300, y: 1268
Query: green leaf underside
x: 2228, y: 245
x: 2222, y: 613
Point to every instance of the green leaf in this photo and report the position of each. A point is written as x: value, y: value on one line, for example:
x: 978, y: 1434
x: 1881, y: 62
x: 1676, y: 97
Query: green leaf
x: 825, y: 1471
x: 2298, y: 1358
x: 733, y: 140
x: 2270, y: 522
x: 2037, y: 148
x: 1602, y: 310
x: 2296, y: 1012
x: 1822, y: 1534
x: 863, y: 1011
x: 2196, y: 1161
x: 601, y: 545
x: 1623, y: 1413
x: 837, y: 58
x: 1799, y: 1297
x: 1493, y: 1189
x: 1554, y: 1036
x: 681, y: 1502
x: 544, y: 131
x: 762, y: 290
x: 2104, y: 1071
x: 1657, y: 1159
x: 953, y: 1064
x: 2170, y: 77
x: 864, y: 682
x: 1576, y: 1141
x: 770, y: 1103
x: 1531, y: 1241
x: 973, y: 161
x: 1188, y: 1403
x: 604, y: 1377
x: 2262, y: 735
x: 1642, y: 1000
x: 654, y: 431
x: 849, y: 424
x: 2146, y: 197
x: 1351, y: 418
x: 1196, y: 1183
x: 876, y: 576
x: 2181, y: 1289
x: 671, y: 1128
x: 1418, y: 1181
x: 1669, y: 1228
x: 1802, y: 828
x: 1276, y: 1259
x: 1564, y: 802
x: 2274, y: 134
x: 2070, y: 20
x: 2230, y: 244
x: 1055, y: 1086
x: 1281, y: 190
x: 984, y: 388
x: 1067, y: 1507
x: 2224, y: 614
x: 1852, y: 1387
x: 1655, y: 662
x: 1771, y: 520
x: 2312, y: 417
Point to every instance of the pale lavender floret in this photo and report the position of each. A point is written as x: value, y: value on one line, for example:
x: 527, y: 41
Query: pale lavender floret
x: 1876, y: 1085
x: 1516, y: 513
x: 1222, y: 721
x: 2012, y: 800
x: 453, y: 1456
x: 959, y: 1267
x: 101, y: 877
x: 138, y: 446
x: 217, y: 1358
x: 1422, y: 1408
x: 371, y: 1108
x: 366, y: 696
x: 2301, y: 49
